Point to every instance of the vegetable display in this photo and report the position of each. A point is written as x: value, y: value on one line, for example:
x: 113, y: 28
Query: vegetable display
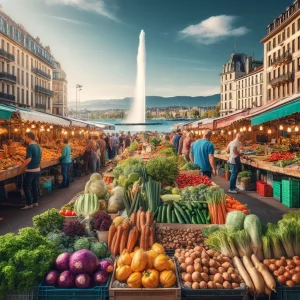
x: 280, y: 156
x: 184, y: 180
x: 149, y: 269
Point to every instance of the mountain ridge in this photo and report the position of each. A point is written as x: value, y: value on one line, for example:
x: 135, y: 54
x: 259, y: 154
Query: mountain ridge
x: 151, y: 101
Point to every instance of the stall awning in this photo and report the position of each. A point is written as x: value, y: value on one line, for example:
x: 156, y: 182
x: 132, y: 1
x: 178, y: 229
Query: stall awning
x: 6, y: 112
x: 224, y: 121
x: 277, y: 113
x: 202, y: 122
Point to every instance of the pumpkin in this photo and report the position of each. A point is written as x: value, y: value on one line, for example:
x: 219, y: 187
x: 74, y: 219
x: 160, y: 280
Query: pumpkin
x: 151, y: 256
x: 124, y: 259
x: 167, y: 278
x: 171, y: 265
x: 123, y: 272
x: 150, y: 279
x: 139, y: 261
x: 135, y: 280
x: 161, y: 262
x: 158, y: 248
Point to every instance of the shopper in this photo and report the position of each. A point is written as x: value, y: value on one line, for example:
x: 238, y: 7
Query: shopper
x: 113, y: 145
x: 176, y: 139
x: 187, y: 144
x: 102, y: 147
x: 234, y: 161
x: 108, y: 148
x: 94, y: 154
x: 121, y: 144
x: 32, y: 174
x: 87, y: 155
x: 202, y: 154
x: 180, y: 144
x: 127, y: 141
x: 65, y: 160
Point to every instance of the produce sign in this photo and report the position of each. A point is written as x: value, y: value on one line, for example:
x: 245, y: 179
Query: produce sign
x: 184, y: 180
x: 280, y: 156
x: 152, y: 269
x: 80, y: 269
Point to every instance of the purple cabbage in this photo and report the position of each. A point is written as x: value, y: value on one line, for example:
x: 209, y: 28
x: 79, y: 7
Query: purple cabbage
x: 51, y: 278
x: 66, y: 280
x: 62, y: 261
x: 100, y: 278
x: 106, y: 265
x: 83, y: 262
x: 82, y: 281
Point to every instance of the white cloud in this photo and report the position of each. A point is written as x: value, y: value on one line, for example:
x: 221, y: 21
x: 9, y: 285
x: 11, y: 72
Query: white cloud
x: 98, y: 6
x: 213, y: 29
x: 72, y: 21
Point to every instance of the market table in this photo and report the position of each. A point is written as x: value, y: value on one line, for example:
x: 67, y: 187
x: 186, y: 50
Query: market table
x: 256, y: 162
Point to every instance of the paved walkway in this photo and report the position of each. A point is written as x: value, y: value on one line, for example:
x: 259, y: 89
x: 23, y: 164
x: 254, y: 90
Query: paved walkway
x: 267, y: 209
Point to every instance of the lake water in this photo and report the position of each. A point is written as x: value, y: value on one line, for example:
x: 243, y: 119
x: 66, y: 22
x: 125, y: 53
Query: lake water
x: 164, y: 127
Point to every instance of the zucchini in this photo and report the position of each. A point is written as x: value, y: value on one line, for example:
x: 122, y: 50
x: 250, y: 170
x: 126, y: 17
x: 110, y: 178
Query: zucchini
x: 178, y: 216
x: 174, y: 219
x: 197, y: 217
x: 164, y: 214
x: 203, y: 221
x: 194, y: 220
x: 208, y: 218
x: 181, y: 211
x: 156, y: 213
x: 159, y: 214
x: 171, y: 197
x: 169, y: 214
x: 188, y: 206
x: 188, y: 215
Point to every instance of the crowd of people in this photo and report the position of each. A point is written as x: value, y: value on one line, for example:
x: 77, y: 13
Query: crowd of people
x: 201, y: 152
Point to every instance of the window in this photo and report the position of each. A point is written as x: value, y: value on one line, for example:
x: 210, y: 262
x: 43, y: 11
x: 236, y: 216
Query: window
x: 13, y: 50
x: 269, y: 94
x: 13, y: 90
x: 22, y: 59
x: 18, y: 95
x: 31, y: 98
x: 31, y: 81
x: 288, y: 88
x: 260, y: 101
x: 283, y: 35
x: 298, y: 24
x: 261, y: 89
x: 230, y: 96
x: 26, y: 61
x: 293, y: 28
x: 230, y: 76
x: 18, y: 57
x: 279, y: 39
x: 274, y: 42
x: 225, y: 97
x: 13, y: 70
x: 18, y: 76
x: 22, y: 77
x: 229, y: 105
x: 256, y: 90
x: 293, y: 46
x: 252, y: 91
x: 22, y: 96
x: 261, y: 77
x: 299, y: 42
x: 298, y: 85
x: 27, y: 82
x: 230, y: 86
x: 27, y: 100
x: 246, y: 93
x: 256, y: 79
x: 283, y: 91
x: 288, y: 32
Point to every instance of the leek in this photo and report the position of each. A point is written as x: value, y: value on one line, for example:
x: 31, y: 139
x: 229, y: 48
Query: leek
x: 266, y: 246
x: 224, y: 245
x: 286, y: 231
x: 253, y: 226
x: 242, y: 242
x: 213, y: 242
x: 232, y: 246
x: 273, y: 234
x: 296, y: 241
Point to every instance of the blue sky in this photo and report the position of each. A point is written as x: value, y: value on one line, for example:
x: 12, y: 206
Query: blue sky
x: 187, y: 41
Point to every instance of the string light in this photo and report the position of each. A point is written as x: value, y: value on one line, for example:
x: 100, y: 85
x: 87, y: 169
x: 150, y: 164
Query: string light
x: 42, y: 127
x: 269, y: 131
x: 229, y: 132
x: 72, y: 132
x: 280, y: 127
x: 289, y: 129
x: 260, y: 128
x: 241, y: 129
x: 249, y: 129
x: 48, y: 129
x: 222, y: 131
x: 28, y: 129
x: 65, y: 133
x: 51, y: 126
x: 245, y: 128
x: 16, y: 129
x: 32, y: 126
x: 296, y: 128
x: 234, y: 130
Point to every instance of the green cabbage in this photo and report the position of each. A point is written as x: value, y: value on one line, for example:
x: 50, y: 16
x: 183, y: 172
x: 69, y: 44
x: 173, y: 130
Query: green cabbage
x: 100, y: 249
x: 97, y: 187
x: 83, y: 243
x: 235, y: 220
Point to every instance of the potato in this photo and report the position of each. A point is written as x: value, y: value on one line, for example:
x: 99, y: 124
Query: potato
x: 188, y: 278
x: 218, y: 278
x: 211, y: 285
x: 190, y: 269
x: 213, y: 271
x: 195, y: 286
x: 204, y: 277
x: 203, y: 285
x: 205, y: 262
x: 183, y: 267
x: 196, y: 276
x: 198, y: 267
x: 227, y: 285
x: 219, y: 286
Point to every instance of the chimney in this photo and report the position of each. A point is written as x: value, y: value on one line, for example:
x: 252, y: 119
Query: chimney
x: 37, y: 39
x: 248, y: 64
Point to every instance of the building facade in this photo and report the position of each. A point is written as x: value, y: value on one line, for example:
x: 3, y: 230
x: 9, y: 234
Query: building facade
x: 282, y: 55
x: 25, y: 68
x: 238, y: 67
x: 60, y: 91
x: 250, y: 89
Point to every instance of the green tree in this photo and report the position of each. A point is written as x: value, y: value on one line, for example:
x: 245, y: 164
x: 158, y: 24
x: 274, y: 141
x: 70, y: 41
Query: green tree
x: 218, y: 107
x: 203, y: 115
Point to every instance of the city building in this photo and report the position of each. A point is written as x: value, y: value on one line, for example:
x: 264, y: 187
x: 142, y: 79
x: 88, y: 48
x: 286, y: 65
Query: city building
x: 60, y: 92
x: 26, y: 68
x: 240, y: 72
x: 282, y: 55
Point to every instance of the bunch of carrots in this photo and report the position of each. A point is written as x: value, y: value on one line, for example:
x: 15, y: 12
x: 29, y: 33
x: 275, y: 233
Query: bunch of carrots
x: 108, y: 180
x: 233, y: 204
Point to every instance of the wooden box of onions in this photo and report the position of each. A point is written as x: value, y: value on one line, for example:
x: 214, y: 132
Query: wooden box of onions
x: 207, y: 274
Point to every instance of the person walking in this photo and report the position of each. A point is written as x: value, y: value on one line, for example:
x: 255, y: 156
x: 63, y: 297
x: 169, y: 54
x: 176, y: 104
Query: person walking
x: 66, y: 161
x: 32, y: 174
x: 114, y: 145
x: 87, y: 155
x: 121, y: 143
x: 202, y: 154
x: 187, y: 144
x: 234, y: 161
x: 180, y: 144
x: 176, y: 139
x: 94, y: 154
x: 127, y: 141
x: 102, y: 147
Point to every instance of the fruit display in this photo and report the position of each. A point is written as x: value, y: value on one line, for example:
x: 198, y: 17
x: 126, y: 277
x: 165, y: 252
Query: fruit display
x: 148, y: 269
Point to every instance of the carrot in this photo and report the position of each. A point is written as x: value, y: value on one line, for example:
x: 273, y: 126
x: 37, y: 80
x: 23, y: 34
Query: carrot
x: 240, y: 207
x: 230, y: 209
x: 111, y: 232
x: 228, y: 205
x: 132, y: 239
x: 133, y: 219
x: 151, y: 238
x: 116, y: 247
x: 142, y: 219
x: 124, y: 237
x: 148, y: 217
x: 142, y: 238
x: 147, y: 236
x: 138, y: 219
x: 245, y: 211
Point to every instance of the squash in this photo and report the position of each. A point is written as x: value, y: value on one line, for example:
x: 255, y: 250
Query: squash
x: 171, y: 265
x: 167, y: 278
x: 124, y: 259
x: 139, y: 261
x: 123, y: 272
x: 135, y: 280
x: 158, y: 248
x: 150, y: 279
x: 118, y: 220
x: 151, y: 256
x: 161, y: 262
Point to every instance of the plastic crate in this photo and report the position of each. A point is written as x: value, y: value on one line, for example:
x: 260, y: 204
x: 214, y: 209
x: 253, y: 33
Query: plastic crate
x: 211, y: 294
x: 170, y: 252
x: 53, y: 293
x: 277, y: 190
x: 291, y: 193
x: 264, y: 189
x: 29, y: 295
x: 288, y: 293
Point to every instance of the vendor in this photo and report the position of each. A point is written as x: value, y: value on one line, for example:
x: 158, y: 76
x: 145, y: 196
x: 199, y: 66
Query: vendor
x: 65, y: 160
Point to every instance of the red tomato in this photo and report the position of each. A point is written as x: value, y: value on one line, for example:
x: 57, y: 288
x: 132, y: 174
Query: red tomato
x: 74, y: 213
x: 68, y: 213
x: 62, y: 212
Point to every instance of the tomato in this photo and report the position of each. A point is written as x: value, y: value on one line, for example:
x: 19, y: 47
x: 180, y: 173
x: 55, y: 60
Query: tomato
x: 74, y: 213
x: 68, y: 213
x: 62, y: 212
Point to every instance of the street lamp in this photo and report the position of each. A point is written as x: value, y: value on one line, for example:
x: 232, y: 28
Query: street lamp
x: 78, y: 86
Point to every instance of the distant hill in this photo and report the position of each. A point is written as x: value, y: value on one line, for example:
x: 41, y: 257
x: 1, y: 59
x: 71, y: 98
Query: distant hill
x: 151, y: 101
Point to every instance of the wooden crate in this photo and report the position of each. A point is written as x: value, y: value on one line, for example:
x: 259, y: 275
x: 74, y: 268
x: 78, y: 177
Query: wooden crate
x: 185, y: 226
x: 144, y: 294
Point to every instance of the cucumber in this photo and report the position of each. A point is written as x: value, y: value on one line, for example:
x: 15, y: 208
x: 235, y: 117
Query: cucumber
x: 203, y: 221
x: 189, y: 206
x: 174, y: 219
x: 204, y: 213
x: 181, y: 211
x: 156, y: 213
x: 188, y: 215
x: 194, y: 220
x: 159, y: 214
x: 164, y: 214
x: 178, y: 216
x: 169, y: 214
x: 198, y: 217
x: 208, y: 218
